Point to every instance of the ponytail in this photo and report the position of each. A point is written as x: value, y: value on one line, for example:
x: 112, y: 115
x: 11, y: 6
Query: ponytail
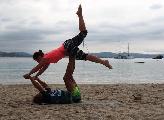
x: 41, y: 53
x: 37, y: 54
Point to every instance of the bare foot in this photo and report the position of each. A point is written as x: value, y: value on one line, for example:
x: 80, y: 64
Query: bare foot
x: 79, y: 11
x: 106, y: 63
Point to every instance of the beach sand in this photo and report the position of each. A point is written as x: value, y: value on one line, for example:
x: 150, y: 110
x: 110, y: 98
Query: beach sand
x: 99, y: 102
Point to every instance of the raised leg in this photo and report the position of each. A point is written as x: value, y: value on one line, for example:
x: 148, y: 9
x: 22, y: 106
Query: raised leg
x: 70, y: 82
x: 95, y: 59
x: 71, y: 45
x: 68, y: 78
x: 81, y: 19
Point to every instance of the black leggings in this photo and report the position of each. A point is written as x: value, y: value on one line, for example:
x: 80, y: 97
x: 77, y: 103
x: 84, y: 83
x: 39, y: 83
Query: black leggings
x: 72, y: 45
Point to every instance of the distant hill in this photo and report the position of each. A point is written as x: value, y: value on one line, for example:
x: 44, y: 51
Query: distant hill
x: 101, y: 54
x: 105, y: 54
x: 136, y: 55
x: 15, y: 54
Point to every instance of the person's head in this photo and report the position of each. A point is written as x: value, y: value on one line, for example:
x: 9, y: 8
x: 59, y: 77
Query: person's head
x: 38, y: 99
x: 37, y: 56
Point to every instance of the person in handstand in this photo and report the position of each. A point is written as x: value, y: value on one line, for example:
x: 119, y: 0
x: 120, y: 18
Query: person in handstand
x: 68, y: 48
x: 49, y: 96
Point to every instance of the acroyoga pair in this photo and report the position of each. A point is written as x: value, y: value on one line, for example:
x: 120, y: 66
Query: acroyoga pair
x: 68, y: 48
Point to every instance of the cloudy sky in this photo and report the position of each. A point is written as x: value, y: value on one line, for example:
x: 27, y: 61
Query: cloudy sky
x: 29, y: 25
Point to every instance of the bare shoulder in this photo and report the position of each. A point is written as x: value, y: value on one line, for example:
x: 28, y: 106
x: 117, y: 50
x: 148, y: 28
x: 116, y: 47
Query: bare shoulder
x: 44, y: 61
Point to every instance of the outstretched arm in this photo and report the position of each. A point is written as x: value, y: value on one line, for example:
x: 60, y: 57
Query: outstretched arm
x: 38, y: 67
x: 35, y: 69
x: 36, y: 84
x: 42, y: 70
x: 44, y: 85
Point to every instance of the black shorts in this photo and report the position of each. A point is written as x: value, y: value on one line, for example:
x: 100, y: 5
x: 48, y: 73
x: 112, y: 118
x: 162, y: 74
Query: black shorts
x: 75, y: 41
x: 71, y: 45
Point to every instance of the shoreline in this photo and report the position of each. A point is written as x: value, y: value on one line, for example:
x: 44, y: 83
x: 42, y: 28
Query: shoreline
x: 99, y: 101
x: 62, y: 84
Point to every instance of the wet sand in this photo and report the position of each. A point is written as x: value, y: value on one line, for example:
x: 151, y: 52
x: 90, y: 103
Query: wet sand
x: 99, y: 102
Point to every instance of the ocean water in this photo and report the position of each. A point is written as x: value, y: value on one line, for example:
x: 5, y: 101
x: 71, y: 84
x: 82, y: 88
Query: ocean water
x: 124, y: 71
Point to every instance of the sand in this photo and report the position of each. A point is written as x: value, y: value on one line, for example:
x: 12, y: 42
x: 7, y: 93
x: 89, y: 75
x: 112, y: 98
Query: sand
x: 99, y: 102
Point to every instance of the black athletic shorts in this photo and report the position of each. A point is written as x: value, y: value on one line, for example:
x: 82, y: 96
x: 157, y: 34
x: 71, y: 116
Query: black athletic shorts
x: 72, y: 45
x: 75, y: 41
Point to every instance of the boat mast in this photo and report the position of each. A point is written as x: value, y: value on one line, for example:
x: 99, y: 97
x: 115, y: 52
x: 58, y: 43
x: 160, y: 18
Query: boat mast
x: 128, y: 49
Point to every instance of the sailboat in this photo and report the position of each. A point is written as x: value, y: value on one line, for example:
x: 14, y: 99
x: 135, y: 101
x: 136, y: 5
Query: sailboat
x: 124, y: 55
x: 129, y: 56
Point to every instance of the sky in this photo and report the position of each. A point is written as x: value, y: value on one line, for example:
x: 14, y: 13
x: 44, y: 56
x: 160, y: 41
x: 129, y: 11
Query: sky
x: 30, y: 25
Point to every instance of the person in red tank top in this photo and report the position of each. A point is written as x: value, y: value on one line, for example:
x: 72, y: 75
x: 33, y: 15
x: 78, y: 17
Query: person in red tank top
x: 68, y: 48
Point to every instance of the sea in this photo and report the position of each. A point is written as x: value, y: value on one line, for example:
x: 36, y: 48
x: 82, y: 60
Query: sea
x: 130, y: 71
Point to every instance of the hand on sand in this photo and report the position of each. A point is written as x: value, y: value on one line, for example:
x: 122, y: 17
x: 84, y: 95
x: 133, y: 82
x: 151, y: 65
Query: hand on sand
x: 79, y: 11
x: 26, y: 76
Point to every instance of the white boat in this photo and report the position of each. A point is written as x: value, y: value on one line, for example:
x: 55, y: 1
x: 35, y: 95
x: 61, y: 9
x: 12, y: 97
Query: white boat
x: 124, y: 55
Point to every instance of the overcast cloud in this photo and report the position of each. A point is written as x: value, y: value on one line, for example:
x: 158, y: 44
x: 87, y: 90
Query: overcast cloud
x: 29, y: 25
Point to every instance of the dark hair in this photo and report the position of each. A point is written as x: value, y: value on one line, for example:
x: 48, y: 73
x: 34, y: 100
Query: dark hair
x: 38, y: 99
x: 37, y: 54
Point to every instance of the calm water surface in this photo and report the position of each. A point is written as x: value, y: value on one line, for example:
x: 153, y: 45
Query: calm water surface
x: 124, y: 71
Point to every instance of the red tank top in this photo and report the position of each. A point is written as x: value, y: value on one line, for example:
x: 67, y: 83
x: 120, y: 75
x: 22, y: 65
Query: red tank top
x: 55, y: 55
